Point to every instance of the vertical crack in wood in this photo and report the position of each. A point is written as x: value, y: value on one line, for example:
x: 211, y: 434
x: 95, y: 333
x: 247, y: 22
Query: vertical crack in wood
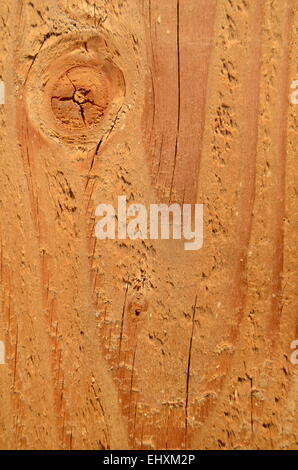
x: 122, y: 322
x: 188, y: 373
x: 178, y: 98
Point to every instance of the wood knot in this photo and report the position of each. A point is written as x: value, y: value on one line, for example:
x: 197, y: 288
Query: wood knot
x: 80, y: 97
x: 76, y: 89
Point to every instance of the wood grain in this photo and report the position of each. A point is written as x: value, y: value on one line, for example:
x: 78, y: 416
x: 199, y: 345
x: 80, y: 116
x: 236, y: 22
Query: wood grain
x: 139, y: 344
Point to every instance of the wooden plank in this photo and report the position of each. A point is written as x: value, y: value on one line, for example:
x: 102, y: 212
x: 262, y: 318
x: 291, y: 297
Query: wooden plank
x: 116, y: 344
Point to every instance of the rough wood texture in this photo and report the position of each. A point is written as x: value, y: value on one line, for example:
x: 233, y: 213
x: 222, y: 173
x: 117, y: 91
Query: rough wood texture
x: 140, y: 344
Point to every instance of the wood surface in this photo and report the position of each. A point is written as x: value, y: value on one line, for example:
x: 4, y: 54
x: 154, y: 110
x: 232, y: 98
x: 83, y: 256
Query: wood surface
x: 138, y: 344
